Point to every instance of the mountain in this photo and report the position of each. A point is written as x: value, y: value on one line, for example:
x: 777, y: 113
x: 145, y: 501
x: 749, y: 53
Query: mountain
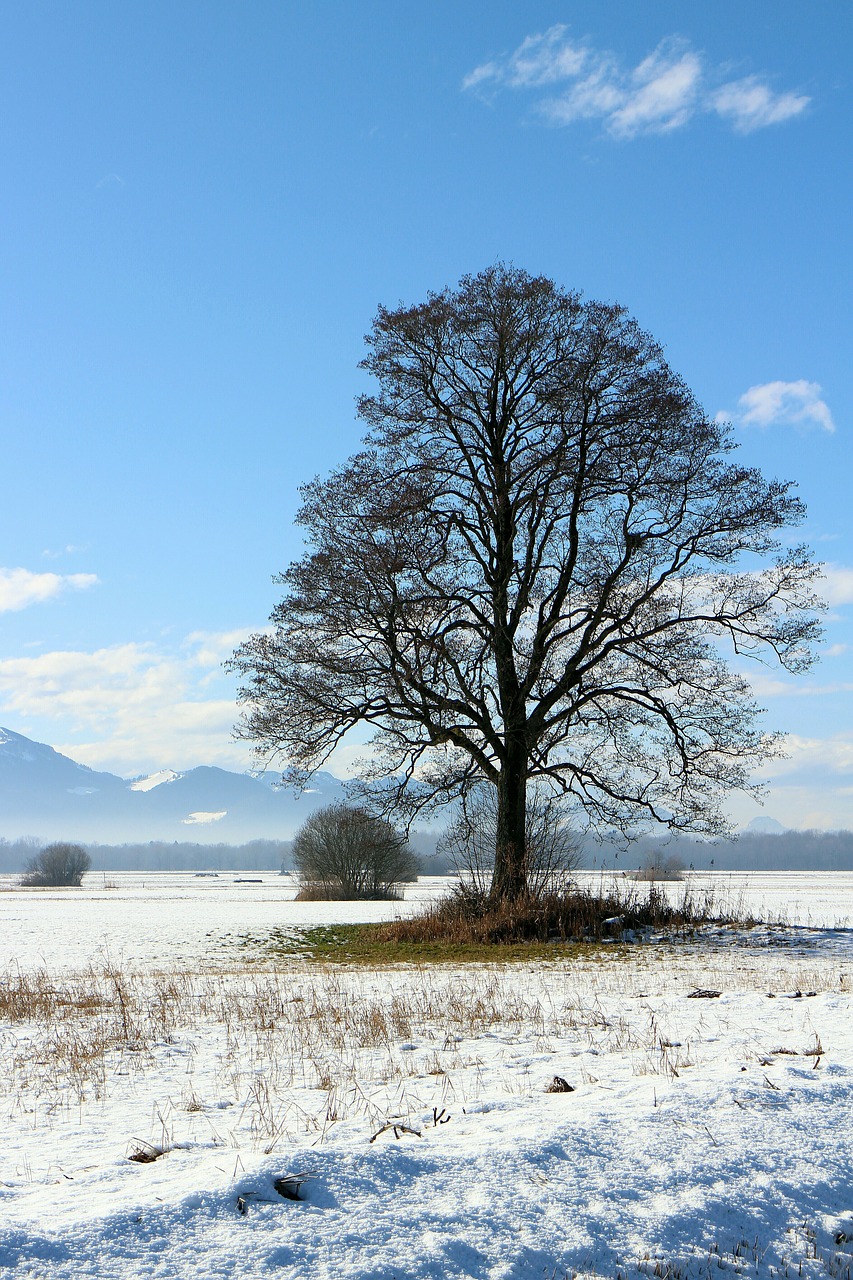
x: 45, y: 794
x: 766, y: 826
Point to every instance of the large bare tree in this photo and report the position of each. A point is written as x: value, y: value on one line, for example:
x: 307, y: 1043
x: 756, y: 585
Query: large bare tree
x: 544, y: 566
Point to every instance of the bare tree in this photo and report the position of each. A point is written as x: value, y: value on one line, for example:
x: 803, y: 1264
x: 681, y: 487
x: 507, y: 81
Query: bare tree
x: 552, y: 850
x: 657, y: 866
x: 538, y: 570
x: 343, y: 852
x: 57, y: 865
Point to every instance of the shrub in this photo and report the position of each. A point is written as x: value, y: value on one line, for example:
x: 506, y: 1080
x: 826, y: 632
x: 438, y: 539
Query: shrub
x: 657, y: 867
x: 343, y: 852
x: 57, y: 864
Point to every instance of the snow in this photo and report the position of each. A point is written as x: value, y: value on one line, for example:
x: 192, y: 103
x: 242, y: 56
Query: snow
x: 154, y: 780
x: 703, y: 1133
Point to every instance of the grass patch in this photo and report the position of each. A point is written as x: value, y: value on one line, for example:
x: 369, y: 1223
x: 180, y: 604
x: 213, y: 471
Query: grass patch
x: 368, y: 944
x: 312, y: 892
x: 464, y: 928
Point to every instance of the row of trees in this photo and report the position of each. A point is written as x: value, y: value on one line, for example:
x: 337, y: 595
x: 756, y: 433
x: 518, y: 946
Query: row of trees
x: 531, y: 581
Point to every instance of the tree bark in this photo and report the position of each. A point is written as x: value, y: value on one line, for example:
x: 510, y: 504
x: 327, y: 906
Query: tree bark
x: 510, y: 880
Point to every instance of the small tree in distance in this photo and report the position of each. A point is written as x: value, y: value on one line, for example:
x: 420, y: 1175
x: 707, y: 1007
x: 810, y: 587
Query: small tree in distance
x: 658, y: 867
x: 342, y: 852
x: 57, y: 865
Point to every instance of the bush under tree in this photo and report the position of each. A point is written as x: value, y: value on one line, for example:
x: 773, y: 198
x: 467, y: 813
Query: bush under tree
x: 343, y: 852
x: 57, y: 865
x: 552, y: 849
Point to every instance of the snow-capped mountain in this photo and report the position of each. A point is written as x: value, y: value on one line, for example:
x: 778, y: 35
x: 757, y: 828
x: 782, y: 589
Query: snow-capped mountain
x: 46, y: 794
x: 153, y: 780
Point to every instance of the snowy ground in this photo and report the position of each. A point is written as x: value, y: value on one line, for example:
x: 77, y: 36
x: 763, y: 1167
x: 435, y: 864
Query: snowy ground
x: 702, y: 1133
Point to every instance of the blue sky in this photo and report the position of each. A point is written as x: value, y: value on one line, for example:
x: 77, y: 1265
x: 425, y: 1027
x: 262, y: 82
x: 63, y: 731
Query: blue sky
x: 202, y: 207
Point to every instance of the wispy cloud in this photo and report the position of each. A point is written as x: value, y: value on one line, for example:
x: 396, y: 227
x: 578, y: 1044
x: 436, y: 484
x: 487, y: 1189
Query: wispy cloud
x: 130, y: 708
x: 750, y: 104
x: 571, y: 80
x: 20, y: 588
x: 204, y: 817
x: 69, y: 550
x: 772, y: 686
x: 800, y: 404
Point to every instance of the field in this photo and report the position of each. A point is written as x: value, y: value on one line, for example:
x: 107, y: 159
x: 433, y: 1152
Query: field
x: 161, y: 1071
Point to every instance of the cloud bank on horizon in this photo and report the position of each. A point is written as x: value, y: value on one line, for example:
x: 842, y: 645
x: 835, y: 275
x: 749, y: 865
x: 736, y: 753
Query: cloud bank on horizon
x: 572, y: 81
x: 130, y: 708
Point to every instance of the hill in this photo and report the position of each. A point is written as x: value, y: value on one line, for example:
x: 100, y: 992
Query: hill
x: 45, y: 794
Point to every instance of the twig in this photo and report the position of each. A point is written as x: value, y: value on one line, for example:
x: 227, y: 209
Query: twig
x: 398, y: 1129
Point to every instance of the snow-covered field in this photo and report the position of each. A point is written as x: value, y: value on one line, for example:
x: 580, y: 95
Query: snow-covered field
x: 702, y: 1133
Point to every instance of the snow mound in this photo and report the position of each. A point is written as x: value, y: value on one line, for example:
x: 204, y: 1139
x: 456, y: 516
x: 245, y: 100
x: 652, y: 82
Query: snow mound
x: 201, y: 818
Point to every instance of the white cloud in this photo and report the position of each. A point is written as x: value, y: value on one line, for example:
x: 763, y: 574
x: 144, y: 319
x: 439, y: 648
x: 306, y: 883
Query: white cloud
x: 836, y: 586
x: 764, y: 686
x: 749, y: 104
x: 69, y: 550
x: 810, y: 788
x: 212, y: 648
x: 20, y: 588
x: 662, y: 93
x: 130, y: 708
x: 799, y: 404
x: 819, y: 756
x: 538, y: 60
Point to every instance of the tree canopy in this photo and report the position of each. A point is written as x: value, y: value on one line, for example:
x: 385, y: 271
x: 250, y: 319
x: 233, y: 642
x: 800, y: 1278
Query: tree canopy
x: 545, y: 565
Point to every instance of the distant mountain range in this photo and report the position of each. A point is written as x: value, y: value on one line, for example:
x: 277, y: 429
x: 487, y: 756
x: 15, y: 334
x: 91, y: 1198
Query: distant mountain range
x: 46, y: 794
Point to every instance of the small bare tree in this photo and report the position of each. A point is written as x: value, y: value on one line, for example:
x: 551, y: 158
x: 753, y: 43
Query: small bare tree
x: 552, y: 848
x: 57, y: 865
x: 658, y: 866
x: 343, y: 852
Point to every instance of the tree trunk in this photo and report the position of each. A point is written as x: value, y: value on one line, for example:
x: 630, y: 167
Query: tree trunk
x: 509, y: 881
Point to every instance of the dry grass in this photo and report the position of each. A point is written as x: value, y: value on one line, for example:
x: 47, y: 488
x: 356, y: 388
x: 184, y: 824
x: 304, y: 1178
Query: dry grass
x: 467, y: 917
x: 300, y: 1049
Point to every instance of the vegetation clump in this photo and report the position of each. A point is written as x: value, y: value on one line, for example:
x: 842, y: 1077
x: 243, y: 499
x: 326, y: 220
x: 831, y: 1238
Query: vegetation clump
x: 657, y: 867
x: 468, y: 916
x: 344, y: 853
x: 57, y: 865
